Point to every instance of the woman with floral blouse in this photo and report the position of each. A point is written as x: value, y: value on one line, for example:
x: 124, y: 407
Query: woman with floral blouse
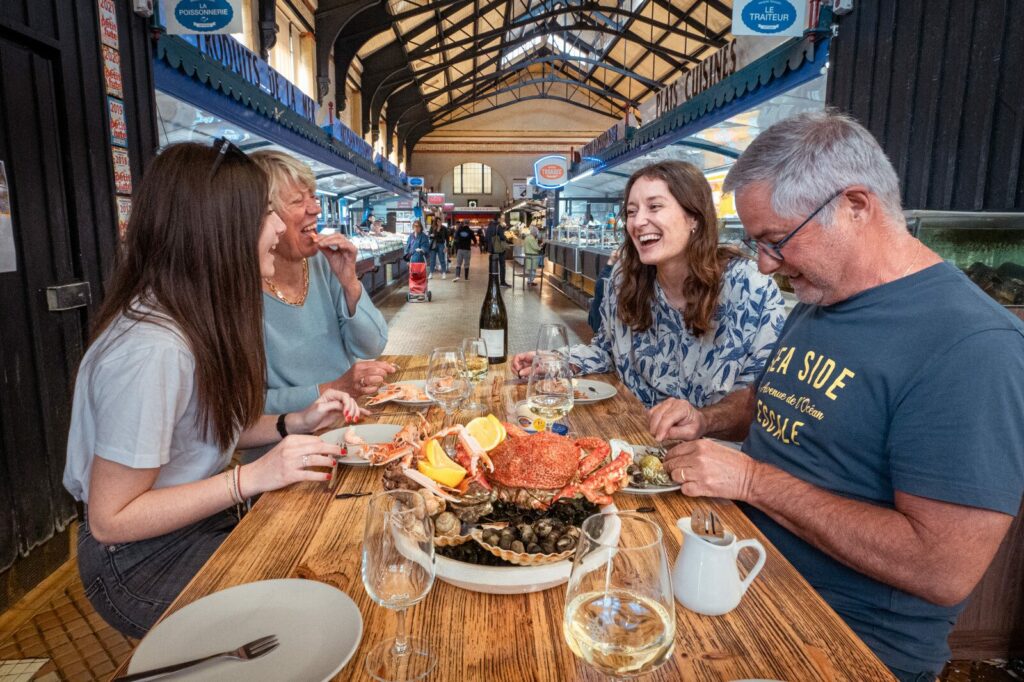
x: 687, y: 324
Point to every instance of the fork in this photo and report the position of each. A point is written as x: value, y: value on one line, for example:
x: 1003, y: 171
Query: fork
x: 246, y: 652
x: 707, y: 523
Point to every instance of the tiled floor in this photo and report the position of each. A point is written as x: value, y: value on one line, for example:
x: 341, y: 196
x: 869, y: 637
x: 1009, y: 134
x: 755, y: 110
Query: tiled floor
x: 454, y: 313
x: 57, y: 623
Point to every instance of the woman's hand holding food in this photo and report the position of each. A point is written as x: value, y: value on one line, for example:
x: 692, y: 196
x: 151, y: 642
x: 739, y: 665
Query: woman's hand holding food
x: 289, y: 462
x: 326, y: 409
x: 363, y: 378
x: 341, y: 255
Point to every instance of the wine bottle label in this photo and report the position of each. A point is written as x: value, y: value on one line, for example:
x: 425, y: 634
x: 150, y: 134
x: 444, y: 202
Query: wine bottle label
x: 495, y: 340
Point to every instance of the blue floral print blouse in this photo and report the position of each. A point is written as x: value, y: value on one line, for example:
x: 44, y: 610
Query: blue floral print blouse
x: 667, y: 361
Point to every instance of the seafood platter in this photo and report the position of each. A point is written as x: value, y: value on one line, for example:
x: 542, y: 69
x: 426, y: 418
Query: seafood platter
x: 507, y: 505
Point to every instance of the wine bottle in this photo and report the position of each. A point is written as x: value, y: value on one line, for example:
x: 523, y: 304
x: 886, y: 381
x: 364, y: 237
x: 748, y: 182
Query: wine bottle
x: 494, y: 319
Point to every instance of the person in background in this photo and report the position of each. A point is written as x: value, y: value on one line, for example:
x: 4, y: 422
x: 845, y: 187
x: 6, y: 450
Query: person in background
x: 594, y: 315
x: 439, y: 236
x: 417, y: 246
x: 531, y: 255
x: 684, y: 320
x: 320, y: 327
x: 463, y: 240
x: 885, y: 440
x: 497, y: 244
x: 378, y: 228
x: 172, y: 382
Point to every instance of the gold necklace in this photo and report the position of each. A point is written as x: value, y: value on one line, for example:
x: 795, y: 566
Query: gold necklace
x: 305, y: 287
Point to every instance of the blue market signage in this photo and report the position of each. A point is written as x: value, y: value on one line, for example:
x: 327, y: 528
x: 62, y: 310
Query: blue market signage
x: 235, y: 57
x: 769, y: 17
x: 346, y: 136
x: 415, y: 181
x: 203, y: 16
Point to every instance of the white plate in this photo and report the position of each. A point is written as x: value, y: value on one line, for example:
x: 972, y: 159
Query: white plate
x: 505, y: 579
x: 595, y: 390
x: 371, y: 433
x: 318, y: 628
x: 420, y: 384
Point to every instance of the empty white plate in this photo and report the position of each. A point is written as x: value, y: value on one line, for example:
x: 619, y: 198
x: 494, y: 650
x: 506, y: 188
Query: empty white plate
x: 318, y: 628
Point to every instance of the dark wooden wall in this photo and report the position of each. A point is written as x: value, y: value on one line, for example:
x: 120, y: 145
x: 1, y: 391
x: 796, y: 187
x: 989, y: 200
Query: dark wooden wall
x: 941, y: 84
x: 54, y: 141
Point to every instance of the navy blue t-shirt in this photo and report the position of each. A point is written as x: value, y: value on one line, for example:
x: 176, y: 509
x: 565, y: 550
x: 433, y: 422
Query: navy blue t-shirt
x: 916, y: 385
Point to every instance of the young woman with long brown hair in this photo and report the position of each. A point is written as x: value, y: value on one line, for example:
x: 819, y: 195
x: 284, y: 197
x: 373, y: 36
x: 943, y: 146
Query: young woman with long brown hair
x: 685, y: 322
x: 173, y: 381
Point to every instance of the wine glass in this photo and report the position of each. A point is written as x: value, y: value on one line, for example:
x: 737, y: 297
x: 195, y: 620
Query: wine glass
x: 474, y: 350
x: 398, y: 571
x: 549, y: 393
x: 553, y: 338
x: 619, y: 610
x: 447, y: 384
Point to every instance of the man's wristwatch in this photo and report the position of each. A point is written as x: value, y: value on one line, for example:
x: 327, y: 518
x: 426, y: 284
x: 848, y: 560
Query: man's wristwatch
x: 281, y: 428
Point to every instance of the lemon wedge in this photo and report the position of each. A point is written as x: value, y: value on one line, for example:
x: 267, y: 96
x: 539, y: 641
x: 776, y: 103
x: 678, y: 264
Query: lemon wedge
x: 486, y: 432
x: 439, y: 467
x: 498, y: 425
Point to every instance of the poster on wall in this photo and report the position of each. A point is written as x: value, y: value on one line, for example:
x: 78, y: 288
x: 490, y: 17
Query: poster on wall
x: 203, y: 16
x: 112, y: 71
x: 8, y: 257
x: 520, y: 189
x: 124, y: 211
x: 108, y: 23
x: 118, y: 122
x: 122, y: 171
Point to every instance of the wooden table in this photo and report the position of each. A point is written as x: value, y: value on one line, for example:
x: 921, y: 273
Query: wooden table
x: 781, y: 630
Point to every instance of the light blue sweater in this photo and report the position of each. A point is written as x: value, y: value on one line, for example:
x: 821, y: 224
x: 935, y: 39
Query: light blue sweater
x: 318, y: 341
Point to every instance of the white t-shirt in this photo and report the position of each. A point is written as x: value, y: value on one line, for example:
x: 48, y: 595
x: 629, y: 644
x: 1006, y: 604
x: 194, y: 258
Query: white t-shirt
x: 135, y: 404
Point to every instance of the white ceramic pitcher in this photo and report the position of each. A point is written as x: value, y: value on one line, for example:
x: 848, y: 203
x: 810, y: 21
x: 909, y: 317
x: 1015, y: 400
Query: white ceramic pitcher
x: 706, y: 576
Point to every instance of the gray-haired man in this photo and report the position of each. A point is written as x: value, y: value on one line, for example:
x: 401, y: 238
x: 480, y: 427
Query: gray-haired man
x: 885, y: 452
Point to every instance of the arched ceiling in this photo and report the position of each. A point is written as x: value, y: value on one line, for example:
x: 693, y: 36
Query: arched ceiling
x: 431, y: 63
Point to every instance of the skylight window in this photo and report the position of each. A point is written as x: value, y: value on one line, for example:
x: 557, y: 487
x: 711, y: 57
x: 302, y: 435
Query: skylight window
x: 516, y: 54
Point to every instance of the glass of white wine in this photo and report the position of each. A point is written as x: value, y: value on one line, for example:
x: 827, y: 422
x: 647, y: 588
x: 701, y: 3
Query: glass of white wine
x: 619, y: 609
x: 549, y: 393
x: 398, y: 572
x: 447, y: 384
x: 474, y: 350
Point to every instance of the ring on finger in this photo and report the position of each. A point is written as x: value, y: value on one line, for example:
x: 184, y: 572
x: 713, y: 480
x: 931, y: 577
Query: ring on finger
x: 305, y: 461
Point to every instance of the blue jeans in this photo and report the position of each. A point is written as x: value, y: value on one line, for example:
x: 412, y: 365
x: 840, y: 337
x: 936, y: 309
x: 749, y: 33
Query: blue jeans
x: 906, y: 676
x: 131, y: 584
x: 439, y: 254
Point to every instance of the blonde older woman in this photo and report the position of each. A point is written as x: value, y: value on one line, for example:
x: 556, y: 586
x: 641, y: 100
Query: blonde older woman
x: 320, y: 326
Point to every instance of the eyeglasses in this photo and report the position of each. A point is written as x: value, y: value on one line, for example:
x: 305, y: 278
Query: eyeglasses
x: 774, y: 249
x: 224, y: 146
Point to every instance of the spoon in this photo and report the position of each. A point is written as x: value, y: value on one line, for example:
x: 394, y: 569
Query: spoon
x: 706, y: 523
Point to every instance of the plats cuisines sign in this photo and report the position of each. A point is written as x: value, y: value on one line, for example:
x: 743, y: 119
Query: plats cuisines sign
x: 203, y: 16
x: 551, y: 172
x: 769, y: 17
